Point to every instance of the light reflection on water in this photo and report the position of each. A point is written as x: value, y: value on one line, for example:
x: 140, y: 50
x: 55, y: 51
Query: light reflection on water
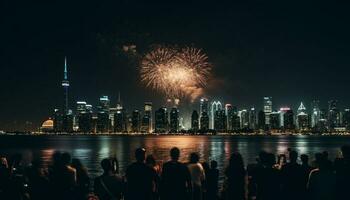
x: 92, y: 149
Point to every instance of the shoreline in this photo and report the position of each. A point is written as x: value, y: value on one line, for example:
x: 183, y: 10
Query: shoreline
x: 174, y: 134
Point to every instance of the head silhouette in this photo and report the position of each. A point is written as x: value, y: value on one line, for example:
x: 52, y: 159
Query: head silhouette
x: 140, y: 154
x: 194, y: 157
x: 66, y: 158
x: 236, y: 161
x: 304, y: 159
x: 293, y: 156
x: 175, y: 153
x: 150, y: 160
x: 106, y: 165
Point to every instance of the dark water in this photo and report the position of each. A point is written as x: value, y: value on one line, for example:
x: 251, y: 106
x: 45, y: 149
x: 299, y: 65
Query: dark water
x: 91, y: 149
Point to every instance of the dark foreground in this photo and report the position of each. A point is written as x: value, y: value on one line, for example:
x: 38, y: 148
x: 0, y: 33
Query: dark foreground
x: 270, y: 177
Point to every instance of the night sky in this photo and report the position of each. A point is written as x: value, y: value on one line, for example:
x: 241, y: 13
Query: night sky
x: 291, y: 51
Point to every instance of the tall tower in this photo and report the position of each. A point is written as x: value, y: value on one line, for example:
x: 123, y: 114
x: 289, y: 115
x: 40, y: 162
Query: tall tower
x: 65, y: 85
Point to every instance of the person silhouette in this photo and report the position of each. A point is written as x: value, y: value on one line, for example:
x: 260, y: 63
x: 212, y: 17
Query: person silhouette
x: 140, y: 178
x: 197, y: 176
x: 292, y: 177
x: 322, y: 181
x: 108, y: 186
x: 212, y: 181
x: 236, y: 178
x: 342, y: 170
x: 175, y: 178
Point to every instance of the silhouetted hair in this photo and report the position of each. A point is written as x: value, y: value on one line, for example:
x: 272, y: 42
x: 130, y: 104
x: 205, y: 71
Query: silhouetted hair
x: 175, y: 153
x: 140, y: 154
x: 106, y: 165
x: 236, y: 161
x: 66, y: 158
x: 304, y: 158
x: 293, y: 156
x: 194, y: 158
x: 150, y: 160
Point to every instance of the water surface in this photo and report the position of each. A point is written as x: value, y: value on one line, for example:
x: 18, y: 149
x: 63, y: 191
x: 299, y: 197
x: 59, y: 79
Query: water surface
x: 92, y: 149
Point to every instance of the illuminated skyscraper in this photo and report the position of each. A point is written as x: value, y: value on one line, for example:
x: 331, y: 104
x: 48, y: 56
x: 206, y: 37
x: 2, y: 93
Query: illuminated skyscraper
x: 315, y: 113
x: 333, y: 114
x: 103, y: 121
x: 174, y: 120
x: 275, y: 120
x: 215, y: 106
x: 135, y: 121
x: 146, y: 125
x: 267, y: 109
x: 288, y: 120
x: 204, y: 122
x: 220, y: 120
x: 244, y: 117
x: 161, y: 120
x: 283, y: 111
x: 252, y: 118
x: 65, y: 85
x: 302, y: 119
x: 346, y: 119
x: 195, y: 121
x: 203, y: 107
x: 261, y: 120
x: 229, y: 112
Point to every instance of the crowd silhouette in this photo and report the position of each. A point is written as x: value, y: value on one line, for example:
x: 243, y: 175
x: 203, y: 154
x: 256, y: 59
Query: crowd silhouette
x: 267, y: 179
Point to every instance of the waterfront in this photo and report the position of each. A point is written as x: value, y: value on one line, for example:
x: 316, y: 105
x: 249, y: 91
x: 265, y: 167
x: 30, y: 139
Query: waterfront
x: 91, y: 149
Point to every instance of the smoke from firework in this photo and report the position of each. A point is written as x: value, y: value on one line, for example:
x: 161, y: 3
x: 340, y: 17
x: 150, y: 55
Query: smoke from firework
x: 176, y: 72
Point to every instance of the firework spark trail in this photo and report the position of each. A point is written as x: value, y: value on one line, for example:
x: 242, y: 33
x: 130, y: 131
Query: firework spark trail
x: 176, y: 72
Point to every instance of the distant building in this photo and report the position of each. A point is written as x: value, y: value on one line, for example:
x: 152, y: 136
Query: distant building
x: 103, y: 118
x: 215, y: 106
x: 220, y: 120
x: 267, y: 109
x: 244, y: 117
x: 288, y: 120
x: 346, y: 119
x: 252, y: 118
x: 315, y: 113
x: 275, y: 120
x: 333, y: 114
x: 174, y: 120
x: 161, y: 120
x: 204, y: 122
x: 302, y: 118
x: 229, y: 112
x: 135, y: 121
x: 283, y: 111
x: 146, y: 125
x: 57, y: 121
x: 261, y: 120
x: 236, y: 122
x: 65, y: 85
x: 195, y: 121
x: 120, y: 121
x: 85, y: 122
x: 47, y: 126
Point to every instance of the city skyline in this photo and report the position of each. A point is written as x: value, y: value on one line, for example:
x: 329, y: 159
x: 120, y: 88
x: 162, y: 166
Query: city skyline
x: 290, y: 52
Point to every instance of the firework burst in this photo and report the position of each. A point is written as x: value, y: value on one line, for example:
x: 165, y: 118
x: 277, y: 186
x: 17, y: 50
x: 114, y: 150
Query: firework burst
x: 175, y: 72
